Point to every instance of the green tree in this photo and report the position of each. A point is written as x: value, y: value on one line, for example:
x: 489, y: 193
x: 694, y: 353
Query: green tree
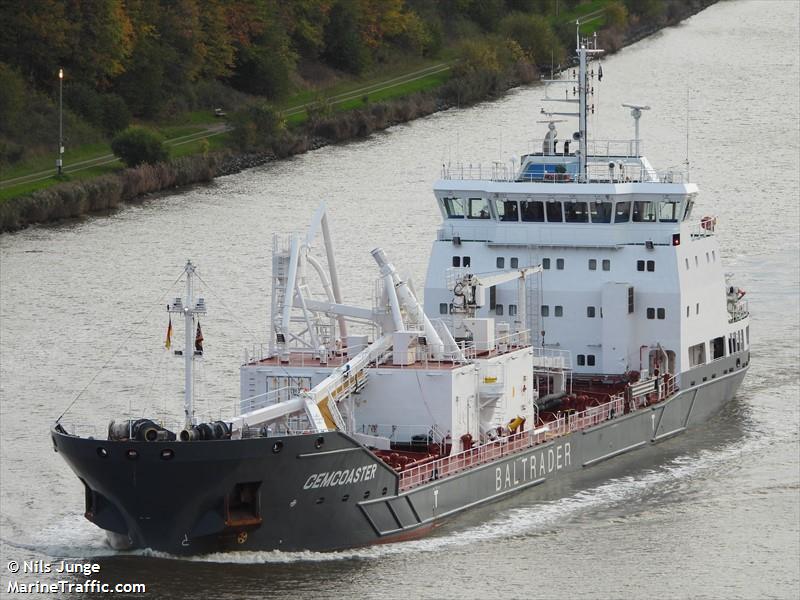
x: 344, y: 47
x: 534, y: 35
x: 137, y: 145
x: 115, y: 114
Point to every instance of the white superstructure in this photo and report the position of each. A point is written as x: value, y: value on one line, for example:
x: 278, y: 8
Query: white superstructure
x: 631, y: 280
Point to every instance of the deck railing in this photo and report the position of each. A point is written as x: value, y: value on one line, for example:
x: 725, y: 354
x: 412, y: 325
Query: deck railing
x: 491, y: 451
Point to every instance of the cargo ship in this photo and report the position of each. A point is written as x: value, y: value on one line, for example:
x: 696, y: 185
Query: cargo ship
x: 574, y: 311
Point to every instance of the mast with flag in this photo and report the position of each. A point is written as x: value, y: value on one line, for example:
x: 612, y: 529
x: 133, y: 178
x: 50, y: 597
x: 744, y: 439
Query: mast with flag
x: 188, y: 309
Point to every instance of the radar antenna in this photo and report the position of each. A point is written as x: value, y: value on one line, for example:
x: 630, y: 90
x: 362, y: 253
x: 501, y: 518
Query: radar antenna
x: 636, y: 113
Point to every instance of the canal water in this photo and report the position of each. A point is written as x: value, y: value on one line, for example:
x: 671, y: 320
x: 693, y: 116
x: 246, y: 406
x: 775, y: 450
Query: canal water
x: 712, y: 514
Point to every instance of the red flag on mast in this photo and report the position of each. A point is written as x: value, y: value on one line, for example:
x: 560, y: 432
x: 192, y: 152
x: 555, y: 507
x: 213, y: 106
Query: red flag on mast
x: 168, y: 341
x: 198, y: 339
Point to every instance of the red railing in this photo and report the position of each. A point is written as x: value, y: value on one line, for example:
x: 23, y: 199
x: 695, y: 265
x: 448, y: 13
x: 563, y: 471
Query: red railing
x: 450, y: 465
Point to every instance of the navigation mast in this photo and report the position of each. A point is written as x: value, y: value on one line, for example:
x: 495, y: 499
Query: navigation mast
x: 188, y: 310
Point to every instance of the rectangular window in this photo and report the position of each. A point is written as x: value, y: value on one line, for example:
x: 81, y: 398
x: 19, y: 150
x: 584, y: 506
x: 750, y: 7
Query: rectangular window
x: 590, y: 312
x: 630, y: 301
x: 559, y: 311
x: 590, y: 360
x: 689, y: 205
x: 501, y: 262
x: 651, y: 266
x: 545, y: 263
x: 661, y: 313
x: 713, y: 256
x: 601, y: 211
x: 747, y: 334
x: 456, y: 261
x: 708, y: 257
x: 575, y: 212
x: 640, y: 265
x: 532, y: 211
x: 687, y: 310
x: 507, y: 210
x: 651, y: 313
x: 465, y: 261
x: 687, y: 264
x: 697, y: 355
x: 554, y: 212
x: 443, y: 308
x: 581, y: 360
x: 514, y: 262
x: 593, y: 264
x: 560, y: 264
x: 697, y: 308
x: 623, y: 212
x: 498, y: 310
x: 696, y: 261
x: 717, y: 346
x: 644, y: 212
x: 512, y: 310
x: 668, y: 212
x: 454, y: 207
x: 478, y: 208
x: 545, y: 310
x: 606, y: 264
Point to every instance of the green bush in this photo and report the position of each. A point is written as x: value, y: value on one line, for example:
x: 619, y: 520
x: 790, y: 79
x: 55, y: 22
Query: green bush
x: 116, y: 115
x: 137, y: 145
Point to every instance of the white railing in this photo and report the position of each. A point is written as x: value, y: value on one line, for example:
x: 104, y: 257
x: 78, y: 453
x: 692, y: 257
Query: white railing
x: 740, y: 311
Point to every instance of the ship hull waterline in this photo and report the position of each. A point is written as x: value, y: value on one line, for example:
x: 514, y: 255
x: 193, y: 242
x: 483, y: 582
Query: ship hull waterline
x: 181, y: 505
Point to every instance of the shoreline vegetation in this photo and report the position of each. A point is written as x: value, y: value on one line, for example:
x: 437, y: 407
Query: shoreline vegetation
x: 258, y: 132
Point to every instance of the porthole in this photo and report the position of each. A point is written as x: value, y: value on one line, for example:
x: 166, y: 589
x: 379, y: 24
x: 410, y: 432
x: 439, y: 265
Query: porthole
x: 132, y: 454
x: 167, y: 454
x: 318, y: 442
x: 383, y: 491
x: 277, y: 447
x: 102, y: 452
x: 346, y: 497
x: 320, y: 500
x: 366, y: 494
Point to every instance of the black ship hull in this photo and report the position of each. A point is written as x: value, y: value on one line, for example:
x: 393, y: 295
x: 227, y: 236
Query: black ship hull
x: 325, y: 491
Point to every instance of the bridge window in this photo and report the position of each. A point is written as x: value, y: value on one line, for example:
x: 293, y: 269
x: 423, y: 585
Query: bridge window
x: 689, y: 205
x: 507, y: 210
x: 601, y: 211
x: 593, y: 264
x: 606, y: 264
x: 644, y: 212
x: 560, y: 264
x: 554, y: 212
x: 559, y: 311
x: 623, y: 212
x: 532, y: 211
x: 697, y: 355
x: 575, y: 212
x: 668, y: 212
x: 514, y: 262
x: 545, y: 310
x: 546, y: 263
x: 590, y: 312
x: 501, y: 262
x: 454, y: 207
x: 478, y: 208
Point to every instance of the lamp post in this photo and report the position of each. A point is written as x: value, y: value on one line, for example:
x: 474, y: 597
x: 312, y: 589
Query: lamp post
x: 59, y: 160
